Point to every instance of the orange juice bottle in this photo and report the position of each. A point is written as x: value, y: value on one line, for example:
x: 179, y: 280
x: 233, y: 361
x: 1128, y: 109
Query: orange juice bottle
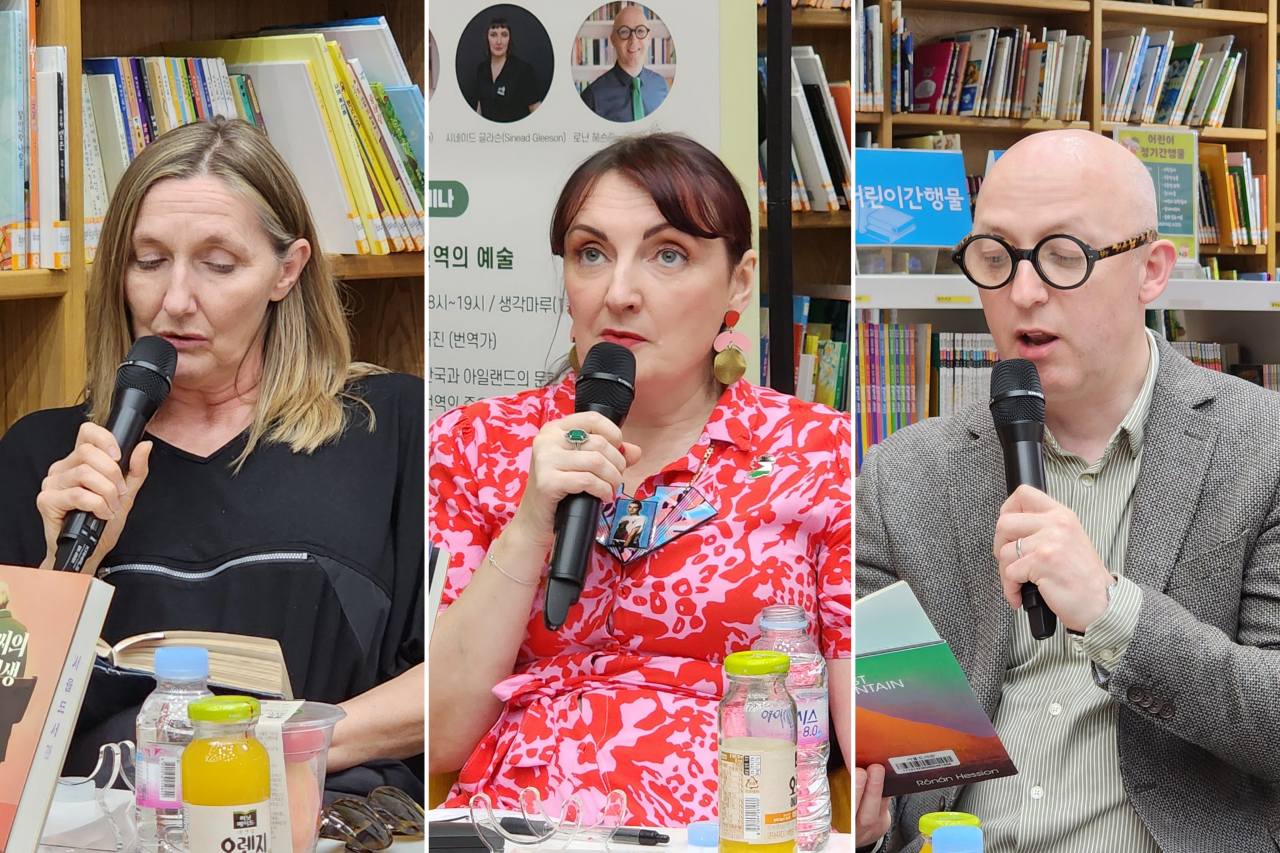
x: 757, y: 755
x: 226, y: 778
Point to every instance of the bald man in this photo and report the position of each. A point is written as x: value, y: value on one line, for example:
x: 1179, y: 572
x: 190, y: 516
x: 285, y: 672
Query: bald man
x: 628, y: 91
x: 1149, y: 721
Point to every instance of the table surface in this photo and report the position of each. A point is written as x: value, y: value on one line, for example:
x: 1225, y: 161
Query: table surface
x: 58, y: 822
x: 679, y: 837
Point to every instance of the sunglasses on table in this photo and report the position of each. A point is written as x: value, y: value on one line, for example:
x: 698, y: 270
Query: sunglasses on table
x: 1061, y: 260
x: 372, y: 824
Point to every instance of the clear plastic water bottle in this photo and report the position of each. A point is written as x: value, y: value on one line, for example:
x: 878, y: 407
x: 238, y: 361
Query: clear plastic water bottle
x: 783, y: 628
x: 164, y: 730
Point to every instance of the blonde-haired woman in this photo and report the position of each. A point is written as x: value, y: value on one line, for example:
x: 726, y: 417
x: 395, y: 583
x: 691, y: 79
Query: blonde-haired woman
x: 279, y: 491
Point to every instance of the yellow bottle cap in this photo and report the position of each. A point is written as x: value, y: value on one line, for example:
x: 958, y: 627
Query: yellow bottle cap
x: 933, y: 820
x: 757, y: 663
x: 224, y: 709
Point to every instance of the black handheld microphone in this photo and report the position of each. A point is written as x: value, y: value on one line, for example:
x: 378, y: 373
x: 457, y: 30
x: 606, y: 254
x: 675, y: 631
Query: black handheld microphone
x: 1017, y: 407
x: 606, y: 384
x: 142, y: 384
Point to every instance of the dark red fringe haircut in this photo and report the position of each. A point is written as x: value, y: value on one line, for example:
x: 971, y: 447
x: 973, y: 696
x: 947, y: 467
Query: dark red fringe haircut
x: 693, y: 190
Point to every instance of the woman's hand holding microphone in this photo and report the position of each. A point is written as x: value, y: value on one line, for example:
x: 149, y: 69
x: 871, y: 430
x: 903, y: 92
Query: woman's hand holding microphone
x: 90, y: 479
x: 557, y: 469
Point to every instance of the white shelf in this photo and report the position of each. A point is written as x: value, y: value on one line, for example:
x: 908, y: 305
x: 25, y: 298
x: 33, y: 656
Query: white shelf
x: 955, y: 291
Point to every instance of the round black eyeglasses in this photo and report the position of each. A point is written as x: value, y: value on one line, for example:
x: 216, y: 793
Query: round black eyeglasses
x: 1061, y: 261
x: 624, y: 33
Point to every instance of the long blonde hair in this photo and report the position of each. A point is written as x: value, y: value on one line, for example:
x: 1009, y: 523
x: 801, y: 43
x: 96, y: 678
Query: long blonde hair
x: 306, y: 365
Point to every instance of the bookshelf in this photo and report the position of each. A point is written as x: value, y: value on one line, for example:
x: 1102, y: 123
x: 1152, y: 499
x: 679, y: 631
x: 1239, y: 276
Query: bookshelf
x: 1223, y: 311
x: 1253, y: 22
x: 821, y: 242
x: 42, y: 312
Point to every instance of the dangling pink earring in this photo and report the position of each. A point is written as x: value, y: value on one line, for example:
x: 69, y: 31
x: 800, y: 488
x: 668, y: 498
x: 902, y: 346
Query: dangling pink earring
x: 731, y: 347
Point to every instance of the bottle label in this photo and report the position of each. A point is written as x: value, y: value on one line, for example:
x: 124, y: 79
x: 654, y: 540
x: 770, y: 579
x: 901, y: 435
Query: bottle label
x: 811, y: 717
x: 229, y: 829
x: 757, y: 793
x: 159, y: 780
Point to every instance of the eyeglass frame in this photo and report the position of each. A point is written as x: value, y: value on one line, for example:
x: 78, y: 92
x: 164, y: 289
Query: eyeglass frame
x: 1033, y: 255
x: 632, y: 30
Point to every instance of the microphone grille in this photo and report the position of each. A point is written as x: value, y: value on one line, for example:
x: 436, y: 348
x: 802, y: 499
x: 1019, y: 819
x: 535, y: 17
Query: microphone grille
x: 148, y: 368
x: 1016, y: 374
x: 607, y: 378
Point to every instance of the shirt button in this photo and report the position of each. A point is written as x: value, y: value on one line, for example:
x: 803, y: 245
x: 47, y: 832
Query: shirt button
x: 1107, y: 654
x: 1086, y: 479
x: 1037, y: 792
x: 1055, y: 709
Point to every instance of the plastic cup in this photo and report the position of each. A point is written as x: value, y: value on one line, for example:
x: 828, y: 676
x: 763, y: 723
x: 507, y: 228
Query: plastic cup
x: 307, y: 735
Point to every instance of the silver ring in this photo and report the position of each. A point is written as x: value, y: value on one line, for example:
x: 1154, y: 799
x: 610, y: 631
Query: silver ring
x: 576, y: 438
x: 1017, y: 546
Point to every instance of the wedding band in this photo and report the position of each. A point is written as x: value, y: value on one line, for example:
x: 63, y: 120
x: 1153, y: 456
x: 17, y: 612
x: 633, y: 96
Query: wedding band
x: 576, y: 437
x: 1017, y: 546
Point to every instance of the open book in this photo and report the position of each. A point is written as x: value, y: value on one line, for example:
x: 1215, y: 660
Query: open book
x: 236, y: 662
x: 916, y: 714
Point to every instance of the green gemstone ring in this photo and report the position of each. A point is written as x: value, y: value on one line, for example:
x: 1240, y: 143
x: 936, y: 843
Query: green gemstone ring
x: 576, y: 437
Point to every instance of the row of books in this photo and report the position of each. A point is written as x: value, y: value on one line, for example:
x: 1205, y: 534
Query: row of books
x: 821, y: 129
x: 894, y: 369
x: 1001, y: 73
x: 1232, y: 200
x: 1210, y: 355
x: 342, y: 82
x: 331, y: 83
x: 820, y: 350
x: 1147, y: 78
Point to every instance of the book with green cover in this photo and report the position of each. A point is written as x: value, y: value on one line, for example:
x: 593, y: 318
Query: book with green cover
x: 915, y: 712
x: 1182, y: 63
x: 398, y: 132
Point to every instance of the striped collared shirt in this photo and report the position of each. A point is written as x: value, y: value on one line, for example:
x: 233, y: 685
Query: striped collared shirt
x: 1058, y: 725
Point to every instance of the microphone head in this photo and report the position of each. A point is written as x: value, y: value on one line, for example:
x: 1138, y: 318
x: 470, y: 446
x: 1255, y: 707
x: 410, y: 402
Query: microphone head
x: 607, y: 378
x: 1016, y: 377
x: 148, y: 368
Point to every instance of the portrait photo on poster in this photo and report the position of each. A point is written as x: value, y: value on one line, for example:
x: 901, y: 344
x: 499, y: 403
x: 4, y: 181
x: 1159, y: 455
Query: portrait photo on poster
x: 504, y: 63
x: 433, y: 65
x: 623, y: 61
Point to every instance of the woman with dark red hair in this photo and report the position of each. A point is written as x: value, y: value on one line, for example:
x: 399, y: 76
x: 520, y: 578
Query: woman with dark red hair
x: 751, y: 490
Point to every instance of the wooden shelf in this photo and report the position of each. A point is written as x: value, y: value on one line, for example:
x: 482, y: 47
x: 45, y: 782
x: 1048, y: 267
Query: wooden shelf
x: 1225, y: 134
x: 1016, y: 125
x: 1000, y: 7
x: 808, y: 220
x: 867, y: 117
x: 824, y: 291
x: 1215, y: 249
x: 33, y: 284
x: 1152, y: 15
x: 395, y: 265
x: 813, y: 19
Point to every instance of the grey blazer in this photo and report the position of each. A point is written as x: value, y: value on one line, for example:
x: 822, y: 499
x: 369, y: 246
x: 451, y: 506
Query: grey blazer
x: 1199, y: 688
